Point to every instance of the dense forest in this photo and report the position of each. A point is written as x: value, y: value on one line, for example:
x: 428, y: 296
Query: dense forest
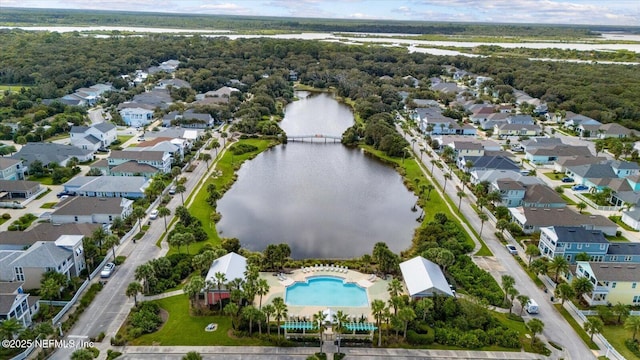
x: 55, y: 64
x: 31, y: 17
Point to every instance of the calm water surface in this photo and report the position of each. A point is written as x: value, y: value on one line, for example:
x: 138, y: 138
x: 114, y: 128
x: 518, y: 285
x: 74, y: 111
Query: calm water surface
x: 324, y: 200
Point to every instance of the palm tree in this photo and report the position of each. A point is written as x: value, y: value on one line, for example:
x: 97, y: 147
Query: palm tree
x: 10, y: 328
x: 424, y: 306
x: 137, y: 214
x: 180, y: 189
x: 523, y: 300
x: 429, y: 187
x: 117, y: 225
x: 513, y: 292
x: 163, y: 211
x: 111, y: 241
x: 133, y: 289
x: 508, y: 282
x: 262, y: 288
x: 406, y: 314
x: 535, y: 326
x: 632, y: 323
x: 433, y: 163
x: 231, y: 310
x: 223, y: 135
x: 622, y: 311
x: 483, y: 217
x: 187, y: 239
x: 193, y: 288
x: 494, y: 197
x: 446, y: 177
x: 339, y: 319
x: 377, y: 307
x: 318, y: 318
x: 249, y: 312
x: 177, y: 240
x: 49, y: 289
x: 98, y: 236
x: 558, y: 265
x: 145, y: 273
x: 564, y: 292
x: 581, y: 285
x: 280, y: 310
x: 268, y: 310
x: 221, y: 279
x: 482, y: 202
x: 581, y: 206
x: 460, y: 194
x: 394, y: 287
x: 592, y: 326
x: 531, y: 251
x: 215, y: 144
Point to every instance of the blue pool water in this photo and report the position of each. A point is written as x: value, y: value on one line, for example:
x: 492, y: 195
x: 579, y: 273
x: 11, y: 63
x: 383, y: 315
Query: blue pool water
x: 326, y: 291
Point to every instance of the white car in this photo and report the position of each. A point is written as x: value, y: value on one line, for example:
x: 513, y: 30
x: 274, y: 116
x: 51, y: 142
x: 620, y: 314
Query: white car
x: 153, y: 214
x: 512, y: 249
x: 107, y: 270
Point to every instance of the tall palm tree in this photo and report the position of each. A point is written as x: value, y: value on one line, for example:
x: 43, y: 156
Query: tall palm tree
x: 249, y: 312
x: 564, y: 292
x: 163, y: 211
x: 193, y: 288
x: 581, y: 285
x: 111, y: 241
x: 215, y: 144
x: 180, y: 189
x: 406, y: 314
x: 535, y: 326
x: 145, y: 273
x: 137, y: 214
x: 593, y: 326
x: 531, y: 251
x: 221, y: 279
x: 377, y: 307
x: 10, y: 328
x: 394, y: 287
x: 460, y: 194
x: 280, y: 310
x: 633, y: 323
x: 429, y: 187
x: 483, y: 217
x: 523, y: 300
x: 98, y: 236
x: 318, y: 318
x: 339, y: 319
x: 508, y: 282
x: 268, y: 311
x: 133, y: 289
x: 262, y: 288
x: 446, y: 178
x: 558, y: 265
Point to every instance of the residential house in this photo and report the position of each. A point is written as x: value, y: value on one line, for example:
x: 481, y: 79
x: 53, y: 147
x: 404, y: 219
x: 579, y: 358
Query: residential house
x: 540, y: 142
x: 588, y: 130
x: 81, y: 209
x: 626, y: 252
x: 486, y: 163
x: 50, y: 153
x: 573, y: 120
x: 94, y: 137
x: 102, y: 165
x: 542, y: 196
x: 424, y: 103
x: 188, y: 119
x: 11, y: 169
x: 233, y: 266
x: 631, y: 217
x: 449, y: 140
x: 521, y: 119
x: 624, y: 169
x: 481, y: 114
x: 157, y: 98
x: 569, y: 241
x: 293, y: 76
x: 220, y: 96
x: 617, y: 175
x: 613, y: 130
x: 492, y: 120
x: 413, y: 81
x: 19, y: 189
x: 491, y: 176
x: 532, y: 219
x: 16, y: 304
x: 424, y: 278
x: 173, y: 83
x: 562, y: 163
x: 158, y: 159
x: 548, y: 155
x: 169, y: 66
x: 512, y: 192
x: 175, y: 147
x: 188, y: 135
x: 136, y: 114
x: 539, y: 107
x: 612, y: 282
x: 20, y: 240
x: 466, y: 148
x: 131, y: 187
x: 29, y: 265
x: 447, y: 88
x: 509, y: 129
x: 133, y: 168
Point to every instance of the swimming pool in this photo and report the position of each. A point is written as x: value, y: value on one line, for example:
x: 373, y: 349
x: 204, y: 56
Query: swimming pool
x: 326, y: 291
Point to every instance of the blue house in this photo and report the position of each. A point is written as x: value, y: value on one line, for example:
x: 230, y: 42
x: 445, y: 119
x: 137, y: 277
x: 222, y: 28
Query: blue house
x: 568, y: 241
x: 623, y: 252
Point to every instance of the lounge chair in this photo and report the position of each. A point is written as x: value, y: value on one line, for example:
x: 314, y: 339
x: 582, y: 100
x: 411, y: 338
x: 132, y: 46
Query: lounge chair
x: 345, y: 269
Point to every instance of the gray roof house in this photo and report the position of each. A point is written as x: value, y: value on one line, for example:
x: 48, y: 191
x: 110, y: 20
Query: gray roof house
x: 19, y: 240
x: 175, y: 83
x: 16, y: 304
x: 49, y: 153
x: 93, y: 137
x: 542, y: 196
x: 188, y: 119
x: 548, y: 155
x: 131, y: 187
x: 18, y: 189
x: 613, y: 130
x: 531, y: 219
x: 487, y: 163
x: 41, y: 257
x: 82, y: 209
x: 424, y: 278
x: 11, y: 169
x: 158, y: 159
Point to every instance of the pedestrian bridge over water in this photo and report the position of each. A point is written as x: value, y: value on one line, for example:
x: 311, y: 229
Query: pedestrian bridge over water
x: 314, y: 138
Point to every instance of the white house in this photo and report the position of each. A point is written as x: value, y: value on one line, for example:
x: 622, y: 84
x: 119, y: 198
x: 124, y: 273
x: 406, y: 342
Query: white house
x: 233, y: 266
x: 424, y: 278
x: 136, y: 114
x: 94, y: 137
x: 16, y: 304
x: 11, y: 169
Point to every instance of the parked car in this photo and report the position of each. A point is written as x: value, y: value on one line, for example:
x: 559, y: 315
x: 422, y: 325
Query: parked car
x: 567, y: 180
x: 172, y: 190
x: 153, y: 214
x: 580, y: 187
x: 66, y: 193
x: 107, y: 270
x: 512, y: 249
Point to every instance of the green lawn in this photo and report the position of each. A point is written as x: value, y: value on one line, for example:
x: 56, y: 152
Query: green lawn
x: 618, y: 220
x: 578, y: 329
x: 124, y: 138
x: 183, y: 329
x: 226, y: 165
x: 44, y: 180
x: 13, y: 88
x: 616, y: 335
x: 617, y: 238
x: 553, y: 176
x: 48, y: 205
x: 567, y: 200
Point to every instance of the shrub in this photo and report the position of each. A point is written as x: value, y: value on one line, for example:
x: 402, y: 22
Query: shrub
x: 242, y: 148
x: 632, y: 346
x: 6, y: 216
x: 419, y: 339
x: 113, y: 354
x: 119, y: 260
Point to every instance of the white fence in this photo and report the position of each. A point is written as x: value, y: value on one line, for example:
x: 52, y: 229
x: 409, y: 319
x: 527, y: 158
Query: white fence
x: 595, y: 206
x: 611, y: 352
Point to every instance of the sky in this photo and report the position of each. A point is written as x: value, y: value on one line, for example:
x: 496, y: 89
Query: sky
x: 592, y: 12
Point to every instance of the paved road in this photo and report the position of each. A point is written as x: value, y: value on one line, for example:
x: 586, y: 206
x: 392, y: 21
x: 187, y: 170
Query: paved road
x: 110, y: 308
x: 556, y: 328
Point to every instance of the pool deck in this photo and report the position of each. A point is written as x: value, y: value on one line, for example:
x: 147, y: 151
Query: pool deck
x: 376, y: 290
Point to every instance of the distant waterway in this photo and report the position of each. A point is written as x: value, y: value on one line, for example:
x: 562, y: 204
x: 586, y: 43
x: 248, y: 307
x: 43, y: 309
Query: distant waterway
x: 324, y: 200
